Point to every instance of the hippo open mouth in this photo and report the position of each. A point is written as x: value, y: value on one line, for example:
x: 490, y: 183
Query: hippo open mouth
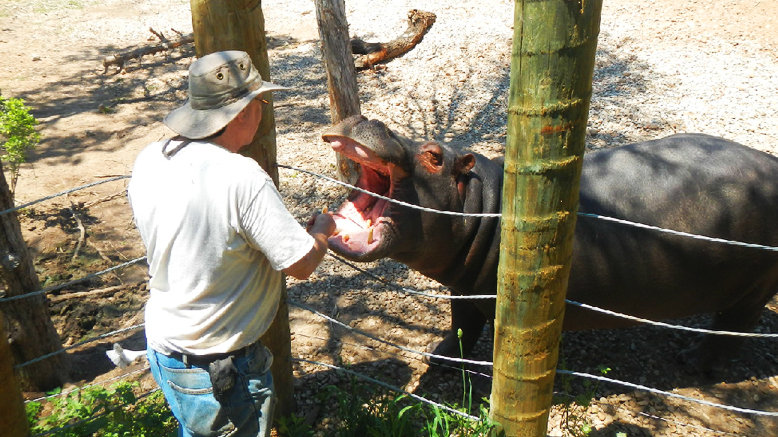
x: 363, y: 223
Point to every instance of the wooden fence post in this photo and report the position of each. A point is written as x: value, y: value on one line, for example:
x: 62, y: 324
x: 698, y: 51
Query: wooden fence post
x: 13, y: 419
x: 341, y: 73
x: 240, y: 25
x: 554, y: 44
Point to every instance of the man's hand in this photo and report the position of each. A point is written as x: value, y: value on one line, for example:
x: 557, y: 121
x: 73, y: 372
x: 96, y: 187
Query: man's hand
x: 321, y: 226
x: 321, y: 223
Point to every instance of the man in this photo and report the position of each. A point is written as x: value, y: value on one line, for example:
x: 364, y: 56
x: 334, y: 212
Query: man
x: 217, y: 237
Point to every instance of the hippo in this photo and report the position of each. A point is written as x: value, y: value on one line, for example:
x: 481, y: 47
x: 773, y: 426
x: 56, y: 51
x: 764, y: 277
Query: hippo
x: 692, y: 183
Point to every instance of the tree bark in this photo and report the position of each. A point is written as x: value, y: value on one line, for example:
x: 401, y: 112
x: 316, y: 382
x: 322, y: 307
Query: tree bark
x: 341, y: 74
x: 551, y: 83
x: 31, y: 333
x: 13, y: 419
x: 240, y: 25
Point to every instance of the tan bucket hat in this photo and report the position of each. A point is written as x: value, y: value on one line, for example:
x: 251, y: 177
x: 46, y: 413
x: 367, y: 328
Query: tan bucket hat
x: 221, y: 84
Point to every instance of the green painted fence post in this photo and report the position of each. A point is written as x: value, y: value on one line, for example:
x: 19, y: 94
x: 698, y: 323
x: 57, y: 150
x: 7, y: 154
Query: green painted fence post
x: 551, y: 81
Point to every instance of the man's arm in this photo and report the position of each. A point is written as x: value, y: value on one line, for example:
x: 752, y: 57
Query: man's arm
x: 323, y: 226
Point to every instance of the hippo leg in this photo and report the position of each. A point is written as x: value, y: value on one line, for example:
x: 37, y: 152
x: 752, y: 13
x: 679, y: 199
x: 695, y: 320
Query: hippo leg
x: 464, y: 316
x: 714, y: 351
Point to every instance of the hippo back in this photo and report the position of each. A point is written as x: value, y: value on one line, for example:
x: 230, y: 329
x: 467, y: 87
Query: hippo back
x: 691, y: 183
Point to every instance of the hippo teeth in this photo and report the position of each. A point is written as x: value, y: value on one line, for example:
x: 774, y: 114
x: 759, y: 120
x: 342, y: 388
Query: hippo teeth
x: 352, y: 231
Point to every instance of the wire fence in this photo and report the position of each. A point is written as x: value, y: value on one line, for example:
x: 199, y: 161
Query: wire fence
x: 412, y: 352
x: 559, y: 371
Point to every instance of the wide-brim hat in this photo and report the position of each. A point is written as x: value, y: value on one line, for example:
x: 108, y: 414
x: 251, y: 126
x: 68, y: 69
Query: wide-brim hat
x: 221, y: 84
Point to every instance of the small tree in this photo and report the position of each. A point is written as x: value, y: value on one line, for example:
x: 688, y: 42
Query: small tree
x: 17, y: 129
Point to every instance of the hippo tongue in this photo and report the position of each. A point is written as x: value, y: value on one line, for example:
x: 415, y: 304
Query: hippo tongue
x: 354, y: 237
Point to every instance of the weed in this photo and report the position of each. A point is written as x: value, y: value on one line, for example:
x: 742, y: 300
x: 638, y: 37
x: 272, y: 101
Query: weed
x: 106, y: 109
x: 294, y: 426
x: 573, y: 407
x: 360, y: 410
x: 365, y: 411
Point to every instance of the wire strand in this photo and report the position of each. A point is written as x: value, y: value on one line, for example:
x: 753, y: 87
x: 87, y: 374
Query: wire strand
x: 571, y: 302
x: 62, y: 193
x: 386, y: 342
x: 671, y: 326
x: 582, y: 214
x: 96, y: 383
x: 390, y: 387
x: 81, y: 343
x: 70, y: 283
x: 667, y: 394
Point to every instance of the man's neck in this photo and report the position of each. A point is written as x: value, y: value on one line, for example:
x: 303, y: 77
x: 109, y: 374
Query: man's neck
x: 228, y: 142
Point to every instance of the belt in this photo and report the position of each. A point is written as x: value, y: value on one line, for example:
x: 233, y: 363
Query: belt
x: 205, y: 360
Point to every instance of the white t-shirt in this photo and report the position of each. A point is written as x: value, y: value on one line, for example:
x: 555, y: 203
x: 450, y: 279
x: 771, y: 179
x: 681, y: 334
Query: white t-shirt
x: 217, y: 236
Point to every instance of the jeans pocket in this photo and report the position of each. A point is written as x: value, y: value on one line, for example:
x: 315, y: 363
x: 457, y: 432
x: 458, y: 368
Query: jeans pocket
x: 200, y: 413
x: 193, y: 381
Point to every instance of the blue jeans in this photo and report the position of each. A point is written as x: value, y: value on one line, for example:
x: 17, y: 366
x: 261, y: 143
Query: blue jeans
x: 248, y: 410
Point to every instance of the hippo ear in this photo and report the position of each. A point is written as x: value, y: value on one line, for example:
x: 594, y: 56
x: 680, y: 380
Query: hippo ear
x: 464, y: 164
x: 462, y: 167
x: 431, y: 157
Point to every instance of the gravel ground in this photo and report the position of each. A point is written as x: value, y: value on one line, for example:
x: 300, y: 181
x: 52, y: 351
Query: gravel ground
x: 662, y: 67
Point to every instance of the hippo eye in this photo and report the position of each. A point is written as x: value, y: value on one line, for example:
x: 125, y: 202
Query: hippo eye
x: 435, y: 159
x: 219, y: 76
x: 431, y: 157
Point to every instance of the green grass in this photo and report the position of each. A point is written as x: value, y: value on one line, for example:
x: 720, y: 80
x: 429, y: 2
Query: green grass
x: 354, y: 409
x: 360, y: 410
x: 98, y: 411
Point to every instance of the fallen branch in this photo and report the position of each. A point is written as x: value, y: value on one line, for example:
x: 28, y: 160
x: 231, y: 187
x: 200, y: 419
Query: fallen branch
x: 105, y: 199
x: 419, y: 23
x: 368, y: 53
x: 120, y: 59
x: 90, y: 293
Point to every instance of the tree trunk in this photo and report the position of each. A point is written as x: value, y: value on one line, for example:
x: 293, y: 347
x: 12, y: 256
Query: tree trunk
x: 240, y: 25
x: 551, y: 81
x: 341, y: 73
x: 31, y: 333
x: 13, y: 420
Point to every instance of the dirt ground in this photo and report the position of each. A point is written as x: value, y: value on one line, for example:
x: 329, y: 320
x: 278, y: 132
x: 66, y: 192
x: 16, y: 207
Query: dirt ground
x: 93, y: 124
